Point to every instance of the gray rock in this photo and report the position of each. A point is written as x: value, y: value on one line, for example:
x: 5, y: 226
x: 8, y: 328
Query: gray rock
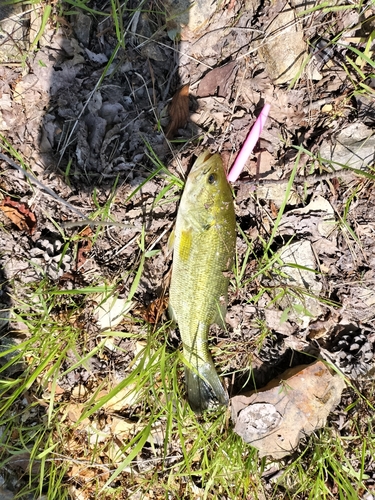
x: 353, y: 147
x: 283, y: 49
x: 6, y: 494
x: 82, y: 27
x: 12, y: 32
x: 192, y: 14
x: 289, y: 408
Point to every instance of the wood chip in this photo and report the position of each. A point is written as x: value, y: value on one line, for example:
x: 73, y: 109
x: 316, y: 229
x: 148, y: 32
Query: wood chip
x: 178, y: 111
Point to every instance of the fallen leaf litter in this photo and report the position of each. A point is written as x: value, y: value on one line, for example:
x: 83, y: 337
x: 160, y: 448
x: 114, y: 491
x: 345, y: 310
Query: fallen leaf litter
x: 101, y: 128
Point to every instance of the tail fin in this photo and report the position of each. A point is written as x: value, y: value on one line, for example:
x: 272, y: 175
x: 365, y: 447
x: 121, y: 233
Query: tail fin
x: 204, y: 388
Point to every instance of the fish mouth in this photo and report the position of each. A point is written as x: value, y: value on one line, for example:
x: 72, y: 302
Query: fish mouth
x: 206, y: 156
x: 201, y: 160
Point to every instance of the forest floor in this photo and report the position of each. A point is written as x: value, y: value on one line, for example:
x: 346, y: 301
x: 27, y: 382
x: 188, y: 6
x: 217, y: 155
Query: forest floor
x: 92, y: 388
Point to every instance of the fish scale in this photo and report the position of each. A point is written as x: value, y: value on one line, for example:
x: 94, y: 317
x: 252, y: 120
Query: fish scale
x: 204, y: 247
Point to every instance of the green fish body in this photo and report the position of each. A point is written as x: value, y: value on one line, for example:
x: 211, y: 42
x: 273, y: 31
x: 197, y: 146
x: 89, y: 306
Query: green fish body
x: 204, y: 248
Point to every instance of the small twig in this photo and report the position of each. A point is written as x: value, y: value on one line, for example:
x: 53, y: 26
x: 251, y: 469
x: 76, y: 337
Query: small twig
x: 84, y: 220
x: 300, y: 179
x: 46, y: 189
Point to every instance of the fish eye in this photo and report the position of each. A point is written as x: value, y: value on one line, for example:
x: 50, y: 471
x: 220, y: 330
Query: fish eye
x: 212, y: 178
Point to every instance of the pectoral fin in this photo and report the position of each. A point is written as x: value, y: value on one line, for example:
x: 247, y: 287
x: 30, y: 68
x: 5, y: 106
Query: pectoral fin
x: 170, y: 242
x: 172, y: 316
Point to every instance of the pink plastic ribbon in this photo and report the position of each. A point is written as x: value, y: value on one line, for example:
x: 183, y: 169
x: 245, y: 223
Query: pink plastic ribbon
x: 248, y: 145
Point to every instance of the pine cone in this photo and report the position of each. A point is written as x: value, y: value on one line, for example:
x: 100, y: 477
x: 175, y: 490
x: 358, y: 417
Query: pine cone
x: 273, y: 349
x: 354, y: 352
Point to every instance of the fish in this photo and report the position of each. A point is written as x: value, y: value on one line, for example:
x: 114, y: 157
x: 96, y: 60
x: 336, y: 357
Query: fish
x: 203, y: 253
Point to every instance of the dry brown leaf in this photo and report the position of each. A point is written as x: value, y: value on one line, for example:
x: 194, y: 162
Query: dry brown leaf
x: 19, y: 214
x: 178, y: 111
x: 122, y: 427
x: 57, y: 390
x: 84, y: 246
x: 217, y: 81
x: 124, y: 397
x: 274, y: 209
x: 152, y: 313
x: 87, y: 472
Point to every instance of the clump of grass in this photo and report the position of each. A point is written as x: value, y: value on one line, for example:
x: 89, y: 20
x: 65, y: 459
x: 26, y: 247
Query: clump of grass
x: 195, y: 452
x: 170, y: 451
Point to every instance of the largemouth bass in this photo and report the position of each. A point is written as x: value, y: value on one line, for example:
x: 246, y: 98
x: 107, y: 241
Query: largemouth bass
x: 204, y: 247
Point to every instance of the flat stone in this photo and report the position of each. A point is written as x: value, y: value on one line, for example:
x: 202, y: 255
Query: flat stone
x: 193, y: 15
x: 298, y: 258
x: 111, y: 311
x: 276, y: 193
x: 12, y: 32
x: 296, y: 404
x: 6, y: 494
x: 317, y: 218
x: 353, y: 147
x: 82, y: 27
x: 283, y: 49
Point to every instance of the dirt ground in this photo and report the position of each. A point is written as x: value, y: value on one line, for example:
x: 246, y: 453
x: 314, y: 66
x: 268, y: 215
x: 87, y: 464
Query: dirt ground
x: 89, y: 118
